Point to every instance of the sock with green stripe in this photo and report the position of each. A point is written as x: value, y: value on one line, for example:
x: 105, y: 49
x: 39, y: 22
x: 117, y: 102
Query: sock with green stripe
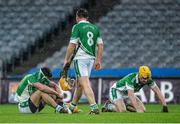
x: 72, y: 106
x: 110, y: 107
x: 94, y: 106
x: 58, y: 108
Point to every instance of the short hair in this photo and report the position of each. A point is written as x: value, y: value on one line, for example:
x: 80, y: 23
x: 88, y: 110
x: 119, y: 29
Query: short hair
x: 47, y: 72
x: 82, y: 13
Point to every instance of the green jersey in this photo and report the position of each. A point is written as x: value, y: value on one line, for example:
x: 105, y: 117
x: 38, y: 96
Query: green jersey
x: 25, y: 88
x: 88, y: 36
x: 131, y: 81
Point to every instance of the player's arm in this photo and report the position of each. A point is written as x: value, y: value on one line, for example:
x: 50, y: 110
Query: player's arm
x: 56, y: 88
x: 69, y: 52
x: 160, y: 97
x: 72, y: 44
x: 99, y: 54
x: 97, y: 63
x: 132, y: 99
x: 131, y: 95
x: 45, y: 89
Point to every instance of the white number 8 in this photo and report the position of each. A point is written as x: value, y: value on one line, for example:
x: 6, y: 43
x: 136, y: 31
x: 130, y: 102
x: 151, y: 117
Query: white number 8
x: 90, y: 38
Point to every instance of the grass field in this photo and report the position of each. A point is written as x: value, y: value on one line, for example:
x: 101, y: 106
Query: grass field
x: 9, y: 114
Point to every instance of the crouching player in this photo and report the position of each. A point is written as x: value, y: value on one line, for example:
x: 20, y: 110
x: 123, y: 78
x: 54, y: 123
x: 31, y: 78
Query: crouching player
x: 122, y: 95
x: 35, y: 90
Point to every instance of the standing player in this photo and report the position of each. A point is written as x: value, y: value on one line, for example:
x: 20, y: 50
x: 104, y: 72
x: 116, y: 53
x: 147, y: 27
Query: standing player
x: 90, y: 52
x: 122, y: 95
x: 36, y: 90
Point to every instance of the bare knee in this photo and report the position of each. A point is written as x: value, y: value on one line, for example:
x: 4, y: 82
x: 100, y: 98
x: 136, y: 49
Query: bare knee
x: 38, y: 92
x: 120, y: 106
x: 143, y: 109
x: 44, y: 94
x: 122, y: 109
x: 36, y: 97
x: 83, y: 82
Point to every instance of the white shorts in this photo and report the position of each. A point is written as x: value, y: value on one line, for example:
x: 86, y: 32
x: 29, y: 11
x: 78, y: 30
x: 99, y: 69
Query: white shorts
x: 83, y: 67
x: 115, y: 94
x: 24, y: 108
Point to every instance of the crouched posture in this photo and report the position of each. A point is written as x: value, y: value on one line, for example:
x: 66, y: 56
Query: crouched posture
x: 36, y: 90
x: 122, y: 95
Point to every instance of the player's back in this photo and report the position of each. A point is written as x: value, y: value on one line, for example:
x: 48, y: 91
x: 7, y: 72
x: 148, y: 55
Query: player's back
x: 88, y: 35
x: 88, y: 30
x: 24, y: 83
x: 130, y: 78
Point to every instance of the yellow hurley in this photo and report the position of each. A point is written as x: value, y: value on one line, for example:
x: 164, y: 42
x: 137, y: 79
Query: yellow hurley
x: 63, y: 84
x: 75, y: 110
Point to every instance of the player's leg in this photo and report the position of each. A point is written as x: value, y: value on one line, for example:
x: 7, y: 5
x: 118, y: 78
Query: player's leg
x: 108, y: 107
x: 38, y: 96
x: 60, y: 102
x: 141, y: 107
x: 36, y: 99
x: 129, y: 105
x: 84, y: 81
x: 116, y: 103
x: 83, y: 70
x: 77, y: 95
x: 87, y: 89
x: 119, y: 105
x: 56, y: 99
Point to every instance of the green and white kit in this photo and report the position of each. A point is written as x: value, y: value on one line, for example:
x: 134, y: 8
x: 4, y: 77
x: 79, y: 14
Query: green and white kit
x: 25, y: 89
x: 88, y: 36
x: 119, y: 90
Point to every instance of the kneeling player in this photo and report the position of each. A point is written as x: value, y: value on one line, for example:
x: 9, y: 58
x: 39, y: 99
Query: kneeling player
x: 122, y: 95
x: 36, y: 90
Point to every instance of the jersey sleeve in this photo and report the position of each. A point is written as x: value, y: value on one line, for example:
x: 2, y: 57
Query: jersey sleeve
x: 31, y: 81
x: 152, y: 84
x: 46, y: 82
x: 129, y: 83
x: 74, y: 34
x: 99, y: 39
x: 129, y: 86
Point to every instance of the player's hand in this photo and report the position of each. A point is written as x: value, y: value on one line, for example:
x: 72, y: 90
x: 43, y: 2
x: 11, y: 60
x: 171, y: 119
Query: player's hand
x: 60, y: 96
x: 139, y: 111
x: 65, y: 62
x: 97, y: 64
x: 164, y: 109
x: 64, y: 71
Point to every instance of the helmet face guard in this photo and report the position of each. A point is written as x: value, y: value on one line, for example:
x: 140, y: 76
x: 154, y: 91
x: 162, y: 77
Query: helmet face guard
x: 71, y: 82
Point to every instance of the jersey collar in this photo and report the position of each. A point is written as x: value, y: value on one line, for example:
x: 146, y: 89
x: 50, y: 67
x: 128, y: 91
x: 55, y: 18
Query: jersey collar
x: 137, y: 80
x: 42, y: 76
x: 83, y: 21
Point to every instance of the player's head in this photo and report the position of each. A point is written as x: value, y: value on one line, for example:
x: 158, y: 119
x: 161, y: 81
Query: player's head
x: 81, y: 14
x: 144, y: 74
x: 47, y: 72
